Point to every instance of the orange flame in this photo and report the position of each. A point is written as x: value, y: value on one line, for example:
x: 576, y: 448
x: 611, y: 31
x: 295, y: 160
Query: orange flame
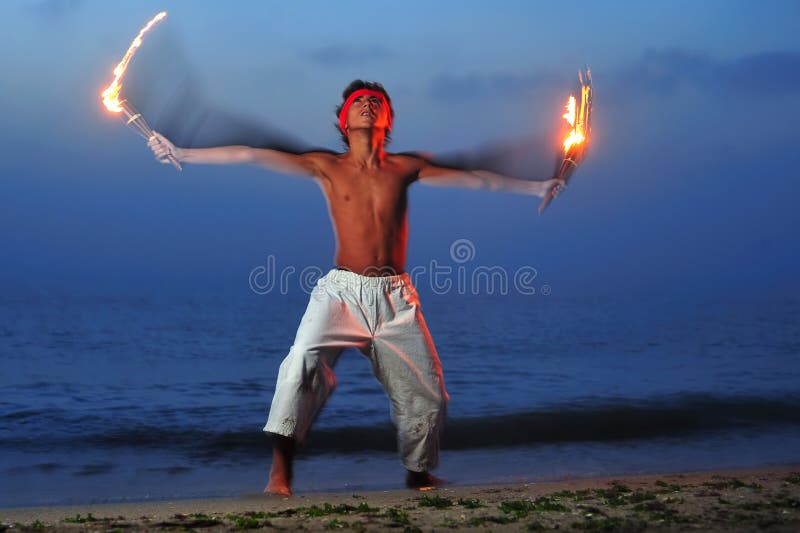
x: 577, y: 119
x: 569, y: 116
x: 111, y: 94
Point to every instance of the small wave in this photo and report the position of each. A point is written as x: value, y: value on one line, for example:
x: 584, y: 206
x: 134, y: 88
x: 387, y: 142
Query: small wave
x: 170, y: 470
x: 22, y: 414
x: 45, y: 468
x: 95, y: 469
x: 619, y: 420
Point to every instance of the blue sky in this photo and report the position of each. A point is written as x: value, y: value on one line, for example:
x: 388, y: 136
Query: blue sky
x: 691, y: 184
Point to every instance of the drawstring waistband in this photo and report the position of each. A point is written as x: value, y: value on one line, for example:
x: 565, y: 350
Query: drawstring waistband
x: 343, y: 275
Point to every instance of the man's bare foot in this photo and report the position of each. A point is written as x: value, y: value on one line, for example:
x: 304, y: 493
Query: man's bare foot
x: 279, y: 487
x: 280, y: 474
x: 280, y: 479
x: 423, y: 480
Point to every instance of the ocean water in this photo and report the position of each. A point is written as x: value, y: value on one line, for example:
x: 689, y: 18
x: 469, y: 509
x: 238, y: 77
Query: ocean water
x: 152, y: 397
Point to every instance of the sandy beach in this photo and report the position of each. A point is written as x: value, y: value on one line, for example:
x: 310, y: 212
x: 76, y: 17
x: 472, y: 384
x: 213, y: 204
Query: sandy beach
x: 731, y: 500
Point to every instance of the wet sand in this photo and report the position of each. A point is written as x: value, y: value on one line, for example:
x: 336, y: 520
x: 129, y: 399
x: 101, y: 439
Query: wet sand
x: 732, y: 500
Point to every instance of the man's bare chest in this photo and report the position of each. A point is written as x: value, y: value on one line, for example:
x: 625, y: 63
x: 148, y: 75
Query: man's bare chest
x: 378, y: 192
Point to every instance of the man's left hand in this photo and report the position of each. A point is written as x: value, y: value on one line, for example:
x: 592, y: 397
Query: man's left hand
x: 556, y: 185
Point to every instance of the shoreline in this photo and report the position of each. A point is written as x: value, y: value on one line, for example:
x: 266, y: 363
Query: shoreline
x: 714, y: 500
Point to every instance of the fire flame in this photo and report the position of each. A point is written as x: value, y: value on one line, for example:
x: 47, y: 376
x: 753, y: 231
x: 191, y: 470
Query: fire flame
x: 111, y: 94
x: 577, y: 119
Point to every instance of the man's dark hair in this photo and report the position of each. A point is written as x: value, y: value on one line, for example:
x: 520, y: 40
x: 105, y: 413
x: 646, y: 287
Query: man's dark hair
x: 353, y: 87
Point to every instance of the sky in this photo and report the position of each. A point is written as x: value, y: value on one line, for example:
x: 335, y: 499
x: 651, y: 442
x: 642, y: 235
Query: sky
x: 689, y: 188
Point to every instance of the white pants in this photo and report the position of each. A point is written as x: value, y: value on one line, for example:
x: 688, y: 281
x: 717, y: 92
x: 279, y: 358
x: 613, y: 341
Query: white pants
x: 381, y: 317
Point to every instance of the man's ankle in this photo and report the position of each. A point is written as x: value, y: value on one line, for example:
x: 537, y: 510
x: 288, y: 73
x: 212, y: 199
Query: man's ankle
x: 419, y: 480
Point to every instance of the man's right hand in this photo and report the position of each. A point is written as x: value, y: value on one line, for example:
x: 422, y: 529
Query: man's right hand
x: 163, y: 148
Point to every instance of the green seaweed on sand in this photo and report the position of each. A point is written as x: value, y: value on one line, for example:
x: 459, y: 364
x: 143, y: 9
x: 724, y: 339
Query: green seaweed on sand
x: 667, y: 487
x: 650, y: 506
x: 521, y: 508
x: 611, y: 523
x: 619, y: 494
x: 189, y: 521
x: 641, y: 496
x: 246, y: 522
x: 614, y: 496
x: 342, y: 508
x: 575, y: 496
x: 434, y: 501
x: 78, y: 519
x: 397, y: 517
x: 778, y: 503
x: 670, y: 516
x: 792, y: 479
x: 364, y: 507
x: 326, y: 509
x: 535, y: 526
x: 449, y: 523
x: 732, y: 483
x: 788, y: 503
x: 590, y: 510
x: 752, y: 506
x: 187, y: 524
x: 336, y: 524
x: 548, y: 504
x: 482, y: 520
x: 470, y: 503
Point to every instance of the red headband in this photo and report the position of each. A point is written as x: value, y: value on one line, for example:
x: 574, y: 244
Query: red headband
x: 351, y: 99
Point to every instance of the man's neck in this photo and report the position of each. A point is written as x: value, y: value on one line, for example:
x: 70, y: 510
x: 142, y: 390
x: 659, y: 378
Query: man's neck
x: 366, y: 147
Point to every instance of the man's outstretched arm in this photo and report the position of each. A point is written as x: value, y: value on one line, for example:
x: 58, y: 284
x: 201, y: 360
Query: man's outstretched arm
x: 284, y: 162
x: 430, y: 174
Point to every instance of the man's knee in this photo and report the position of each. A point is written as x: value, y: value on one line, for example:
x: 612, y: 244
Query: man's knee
x: 438, y: 402
x: 306, y: 368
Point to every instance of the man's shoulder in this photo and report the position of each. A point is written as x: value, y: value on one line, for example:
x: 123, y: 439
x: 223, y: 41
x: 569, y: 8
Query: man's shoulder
x: 323, y: 161
x: 322, y: 155
x: 408, y: 156
x: 414, y: 159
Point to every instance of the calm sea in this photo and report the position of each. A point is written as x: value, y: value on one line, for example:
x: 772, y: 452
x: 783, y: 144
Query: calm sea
x: 132, y: 398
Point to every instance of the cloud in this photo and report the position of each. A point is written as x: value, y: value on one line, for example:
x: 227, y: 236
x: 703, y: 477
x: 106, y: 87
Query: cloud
x: 341, y: 55
x: 659, y: 71
x: 771, y: 72
x: 54, y: 9
x: 764, y: 73
x: 476, y: 86
x: 665, y: 70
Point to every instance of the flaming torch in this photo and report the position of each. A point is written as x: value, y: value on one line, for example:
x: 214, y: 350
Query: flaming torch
x: 110, y: 96
x: 577, y: 140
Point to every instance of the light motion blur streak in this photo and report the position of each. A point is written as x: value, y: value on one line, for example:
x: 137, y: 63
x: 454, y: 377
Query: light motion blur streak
x: 111, y: 94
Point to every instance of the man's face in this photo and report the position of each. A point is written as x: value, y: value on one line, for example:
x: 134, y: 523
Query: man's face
x: 367, y: 112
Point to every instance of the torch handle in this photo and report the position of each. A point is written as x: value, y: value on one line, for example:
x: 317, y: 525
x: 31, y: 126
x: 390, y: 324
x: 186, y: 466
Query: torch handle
x: 568, y: 165
x: 175, y: 162
x: 136, y: 121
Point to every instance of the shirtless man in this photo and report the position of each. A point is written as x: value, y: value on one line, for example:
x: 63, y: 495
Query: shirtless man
x: 368, y: 301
